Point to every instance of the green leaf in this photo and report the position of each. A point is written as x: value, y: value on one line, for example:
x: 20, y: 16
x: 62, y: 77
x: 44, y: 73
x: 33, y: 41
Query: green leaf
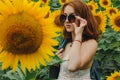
x: 12, y: 75
x: 31, y: 75
x: 20, y: 72
x: 55, y: 60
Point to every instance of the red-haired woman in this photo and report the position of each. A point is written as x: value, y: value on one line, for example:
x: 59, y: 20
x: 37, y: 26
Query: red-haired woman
x: 81, y: 33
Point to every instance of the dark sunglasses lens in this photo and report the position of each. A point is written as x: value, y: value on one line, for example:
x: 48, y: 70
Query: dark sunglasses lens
x: 71, y: 18
x: 62, y: 18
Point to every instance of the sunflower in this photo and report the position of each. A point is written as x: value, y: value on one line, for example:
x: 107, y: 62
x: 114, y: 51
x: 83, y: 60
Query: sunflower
x: 115, y: 22
x: 55, y: 17
x: 63, y: 1
x: 26, y: 36
x: 101, y: 20
x: 105, y: 3
x: 114, y: 76
x: 111, y: 11
x: 92, y: 5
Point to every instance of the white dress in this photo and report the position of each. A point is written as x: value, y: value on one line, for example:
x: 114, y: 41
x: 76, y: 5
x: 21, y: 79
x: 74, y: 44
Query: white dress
x: 65, y: 74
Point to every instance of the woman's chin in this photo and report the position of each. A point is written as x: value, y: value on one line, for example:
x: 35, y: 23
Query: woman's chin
x: 69, y: 30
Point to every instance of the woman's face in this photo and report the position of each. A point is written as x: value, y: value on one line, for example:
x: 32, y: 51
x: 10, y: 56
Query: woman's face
x: 68, y: 26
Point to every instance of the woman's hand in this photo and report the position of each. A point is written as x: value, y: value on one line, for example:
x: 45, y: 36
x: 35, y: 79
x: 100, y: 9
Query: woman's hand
x: 79, y: 26
x: 59, y: 53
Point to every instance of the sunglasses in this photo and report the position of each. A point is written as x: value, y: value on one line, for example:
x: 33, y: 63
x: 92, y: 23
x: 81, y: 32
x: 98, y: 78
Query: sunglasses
x: 71, y: 18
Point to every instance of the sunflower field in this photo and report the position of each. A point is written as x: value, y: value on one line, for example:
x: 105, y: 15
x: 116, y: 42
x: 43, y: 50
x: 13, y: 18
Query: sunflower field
x: 30, y: 32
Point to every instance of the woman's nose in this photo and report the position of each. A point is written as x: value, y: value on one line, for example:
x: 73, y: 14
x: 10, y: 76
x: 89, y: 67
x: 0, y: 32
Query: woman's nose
x: 66, y: 19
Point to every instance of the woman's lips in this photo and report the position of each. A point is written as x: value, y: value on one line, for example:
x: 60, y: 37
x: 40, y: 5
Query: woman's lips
x: 68, y: 26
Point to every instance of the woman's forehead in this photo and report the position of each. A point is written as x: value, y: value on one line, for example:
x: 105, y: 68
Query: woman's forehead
x: 69, y: 9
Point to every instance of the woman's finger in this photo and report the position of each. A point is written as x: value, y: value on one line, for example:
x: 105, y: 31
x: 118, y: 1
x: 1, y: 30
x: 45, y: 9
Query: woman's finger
x: 74, y: 24
x: 79, y: 18
x: 60, y: 56
x: 60, y: 51
x: 82, y: 21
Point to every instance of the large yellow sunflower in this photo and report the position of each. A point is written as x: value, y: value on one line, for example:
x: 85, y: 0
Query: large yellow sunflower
x: 25, y: 35
x: 112, y: 11
x: 105, y: 3
x: 114, y: 76
x: 101, y: 19
x: 93, y: 6
x: 115, y: 21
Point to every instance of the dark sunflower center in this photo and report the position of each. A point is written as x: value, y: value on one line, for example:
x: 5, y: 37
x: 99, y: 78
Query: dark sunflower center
x: 105, y: 2
x: 57, y: 21
x: 22, y: 41
x: 112, y: 11
x: 45, y: 1
x: 117, y: 21
x: 63, y: 1
x: 22, y: 34
x: 98, y: 19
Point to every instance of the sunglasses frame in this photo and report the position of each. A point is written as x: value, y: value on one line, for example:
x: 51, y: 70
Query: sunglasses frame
x: 71, y: 18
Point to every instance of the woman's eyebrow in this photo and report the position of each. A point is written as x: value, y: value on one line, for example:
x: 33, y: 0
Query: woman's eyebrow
x: 68, y: 14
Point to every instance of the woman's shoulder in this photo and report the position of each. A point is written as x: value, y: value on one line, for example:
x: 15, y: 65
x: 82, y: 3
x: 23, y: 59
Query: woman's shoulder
x: 90, y: 42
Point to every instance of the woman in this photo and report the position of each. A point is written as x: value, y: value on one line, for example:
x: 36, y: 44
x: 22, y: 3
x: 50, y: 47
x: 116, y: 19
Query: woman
x: 81, y: 33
